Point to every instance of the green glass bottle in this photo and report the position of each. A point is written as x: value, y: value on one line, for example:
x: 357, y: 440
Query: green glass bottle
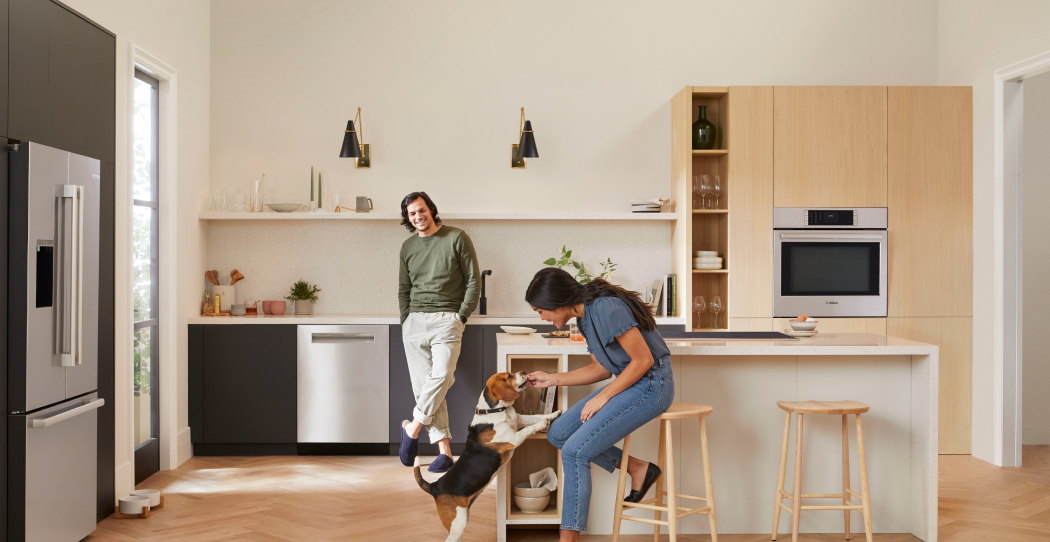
x: 704, y: 133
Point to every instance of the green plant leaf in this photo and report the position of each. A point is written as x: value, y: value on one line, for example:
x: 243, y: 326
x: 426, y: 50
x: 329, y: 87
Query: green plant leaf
x: 568, y: 254
x: 549, y: 261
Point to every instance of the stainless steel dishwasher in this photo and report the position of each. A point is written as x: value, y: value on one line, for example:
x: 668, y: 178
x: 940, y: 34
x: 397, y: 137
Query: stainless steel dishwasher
x: 343, y: 385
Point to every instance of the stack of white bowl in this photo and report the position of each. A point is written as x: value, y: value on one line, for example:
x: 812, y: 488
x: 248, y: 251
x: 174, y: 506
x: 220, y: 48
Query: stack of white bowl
x: 531, y: 500
x: 707, y: 259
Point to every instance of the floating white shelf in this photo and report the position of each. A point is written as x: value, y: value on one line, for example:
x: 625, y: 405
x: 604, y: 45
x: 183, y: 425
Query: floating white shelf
x: 448, y: 216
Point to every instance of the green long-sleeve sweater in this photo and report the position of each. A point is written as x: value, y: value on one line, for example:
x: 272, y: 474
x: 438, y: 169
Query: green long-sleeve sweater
x: 439, y: 273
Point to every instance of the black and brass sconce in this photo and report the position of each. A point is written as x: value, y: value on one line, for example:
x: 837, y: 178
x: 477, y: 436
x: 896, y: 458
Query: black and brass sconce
x: 526, y: 147
x: 352, y: 148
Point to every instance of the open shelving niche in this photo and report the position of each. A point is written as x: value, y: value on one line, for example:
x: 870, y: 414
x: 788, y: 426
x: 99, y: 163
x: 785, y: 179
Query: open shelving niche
x: 696, y: 228
x: 536, y: 453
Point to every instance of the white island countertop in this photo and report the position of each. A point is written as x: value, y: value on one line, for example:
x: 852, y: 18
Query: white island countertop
x: 822, y: 344
x: 385, y: 319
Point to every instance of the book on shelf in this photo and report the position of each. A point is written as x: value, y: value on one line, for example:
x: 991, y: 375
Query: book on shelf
x: 657, y: 292
x: 547, y: 399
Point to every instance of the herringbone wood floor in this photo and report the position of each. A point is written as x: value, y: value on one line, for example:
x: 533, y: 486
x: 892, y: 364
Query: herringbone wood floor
x: 315, y: 498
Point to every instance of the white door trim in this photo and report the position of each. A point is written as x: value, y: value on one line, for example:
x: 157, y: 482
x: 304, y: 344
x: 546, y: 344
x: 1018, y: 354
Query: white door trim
x: 1007, y: 254
x: 168, y: 194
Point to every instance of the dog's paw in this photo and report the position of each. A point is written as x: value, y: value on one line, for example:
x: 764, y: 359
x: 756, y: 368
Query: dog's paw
x: 554, y: 414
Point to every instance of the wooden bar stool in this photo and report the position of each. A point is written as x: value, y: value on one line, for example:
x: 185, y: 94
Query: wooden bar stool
x: 835, y: 408
x: 665, y: 460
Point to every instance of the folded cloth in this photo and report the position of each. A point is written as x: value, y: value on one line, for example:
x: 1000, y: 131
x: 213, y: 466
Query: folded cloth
x: 545, y: 478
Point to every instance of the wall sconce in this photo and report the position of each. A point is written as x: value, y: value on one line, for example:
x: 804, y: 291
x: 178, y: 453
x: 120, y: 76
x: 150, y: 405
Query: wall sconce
x: 354, y: 149
x: 526, y: 147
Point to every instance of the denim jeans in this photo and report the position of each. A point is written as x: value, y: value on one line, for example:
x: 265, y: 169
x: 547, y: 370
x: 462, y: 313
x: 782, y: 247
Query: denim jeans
x: 583, y: 443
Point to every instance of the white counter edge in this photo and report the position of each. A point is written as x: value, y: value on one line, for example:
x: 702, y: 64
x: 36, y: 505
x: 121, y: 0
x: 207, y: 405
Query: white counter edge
x: 378, y: 319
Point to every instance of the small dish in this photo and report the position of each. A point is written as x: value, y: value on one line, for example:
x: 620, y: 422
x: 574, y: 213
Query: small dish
x: 518, y: 330
x: 532, y: 505
x: 794, y: 333
x: 707, y: 254
x: 705, y: 266
x: 284, y: 207
x: 133, y: 505
x: 524, y: 489
x: 808, y: 325
x: 152, y: 494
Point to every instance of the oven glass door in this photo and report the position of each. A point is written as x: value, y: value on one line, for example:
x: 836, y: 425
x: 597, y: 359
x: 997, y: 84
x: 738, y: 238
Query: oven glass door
x: 830, y: 273
x: 829, y: 269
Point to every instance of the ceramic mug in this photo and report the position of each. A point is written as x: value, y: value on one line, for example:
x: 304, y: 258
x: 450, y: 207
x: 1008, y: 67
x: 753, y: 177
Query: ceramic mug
x: 364, y: 204
x: 266, y: 307
x: 277, y: 308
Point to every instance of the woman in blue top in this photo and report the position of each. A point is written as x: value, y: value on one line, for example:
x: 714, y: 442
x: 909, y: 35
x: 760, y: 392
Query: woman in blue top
x: 623, y: 341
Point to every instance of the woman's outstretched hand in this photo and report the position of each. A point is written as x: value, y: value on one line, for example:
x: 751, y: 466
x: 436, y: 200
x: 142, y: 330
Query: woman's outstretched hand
x: 593, y: 406
x: 540, y: 379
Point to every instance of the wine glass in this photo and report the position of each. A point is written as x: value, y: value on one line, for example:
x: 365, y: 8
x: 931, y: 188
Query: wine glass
x: 716, y: 189
x: 716, y: 307
x: 699, y: 304
x: 696, y: 191
x: 705, y: 189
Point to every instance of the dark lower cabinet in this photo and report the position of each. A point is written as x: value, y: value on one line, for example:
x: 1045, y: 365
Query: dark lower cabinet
x: 243, y: 389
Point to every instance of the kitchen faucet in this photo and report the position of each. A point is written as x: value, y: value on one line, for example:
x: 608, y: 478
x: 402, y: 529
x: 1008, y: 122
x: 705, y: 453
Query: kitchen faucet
x: 484, y: 305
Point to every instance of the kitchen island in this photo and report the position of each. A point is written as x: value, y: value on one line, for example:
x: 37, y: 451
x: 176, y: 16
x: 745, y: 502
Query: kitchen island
x: 743, y: 380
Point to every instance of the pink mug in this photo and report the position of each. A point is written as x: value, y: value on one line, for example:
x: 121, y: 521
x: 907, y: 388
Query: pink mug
x: 266, y: 307
x: 277, y: 307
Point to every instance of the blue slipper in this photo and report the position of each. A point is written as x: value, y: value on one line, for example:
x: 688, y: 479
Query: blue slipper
x: 409, y: 447
x: 441, y: 464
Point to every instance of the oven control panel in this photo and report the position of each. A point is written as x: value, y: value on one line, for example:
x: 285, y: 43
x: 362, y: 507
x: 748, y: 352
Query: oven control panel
x: 831, y: 217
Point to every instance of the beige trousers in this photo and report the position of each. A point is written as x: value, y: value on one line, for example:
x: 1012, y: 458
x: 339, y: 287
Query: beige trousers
x: 432, y: 342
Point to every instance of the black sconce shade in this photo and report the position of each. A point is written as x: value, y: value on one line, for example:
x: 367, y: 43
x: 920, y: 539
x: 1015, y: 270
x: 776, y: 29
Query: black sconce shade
x: 351, y: 148
x: 527, y: 145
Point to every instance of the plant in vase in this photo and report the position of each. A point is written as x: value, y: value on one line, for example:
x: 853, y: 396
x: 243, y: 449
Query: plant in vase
x: 582, y: 276
x: 304, y: 295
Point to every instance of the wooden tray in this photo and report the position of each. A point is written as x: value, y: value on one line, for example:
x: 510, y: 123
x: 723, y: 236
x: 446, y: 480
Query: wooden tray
x: 215, y: 314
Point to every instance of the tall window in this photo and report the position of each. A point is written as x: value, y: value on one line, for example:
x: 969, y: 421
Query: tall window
x: 145, y: 273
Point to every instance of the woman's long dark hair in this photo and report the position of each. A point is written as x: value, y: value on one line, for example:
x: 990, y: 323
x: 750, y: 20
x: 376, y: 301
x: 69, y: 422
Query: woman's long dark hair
x: 408, y: 201
x: 553, y: 288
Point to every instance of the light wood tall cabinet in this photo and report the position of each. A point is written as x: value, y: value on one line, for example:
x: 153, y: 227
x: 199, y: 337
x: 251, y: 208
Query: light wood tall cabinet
x: 829, y: 146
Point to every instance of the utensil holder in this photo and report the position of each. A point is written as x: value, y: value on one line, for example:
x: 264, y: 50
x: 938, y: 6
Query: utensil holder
x: 228, y: 293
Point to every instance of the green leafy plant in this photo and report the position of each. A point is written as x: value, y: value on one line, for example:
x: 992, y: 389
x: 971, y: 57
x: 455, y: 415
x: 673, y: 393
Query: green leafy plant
x: 582, y: 275
x: 303, y: 291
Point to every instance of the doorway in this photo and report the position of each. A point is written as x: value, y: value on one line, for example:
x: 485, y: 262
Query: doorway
x: 145, y: 276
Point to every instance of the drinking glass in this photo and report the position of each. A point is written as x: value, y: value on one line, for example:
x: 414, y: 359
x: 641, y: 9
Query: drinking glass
x: 574, y: 333
x: 699, y: 304
x: 696, y: 191
x: 716, y: 189
x: 705, y: 190
x: 218, y: 202
x: 716, y: 307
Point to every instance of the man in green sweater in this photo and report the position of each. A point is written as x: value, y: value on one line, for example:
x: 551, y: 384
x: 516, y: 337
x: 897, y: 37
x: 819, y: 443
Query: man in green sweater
x: 438, y: 288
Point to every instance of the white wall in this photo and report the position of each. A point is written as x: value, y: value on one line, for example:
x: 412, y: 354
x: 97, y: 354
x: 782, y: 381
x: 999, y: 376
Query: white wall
x: 441, y: 84
x: 177, y: 32
x: 975, y: 38
x: 1036, y: 319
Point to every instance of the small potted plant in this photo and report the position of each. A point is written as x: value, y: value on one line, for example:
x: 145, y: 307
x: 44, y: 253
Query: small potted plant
x: 304, y: 295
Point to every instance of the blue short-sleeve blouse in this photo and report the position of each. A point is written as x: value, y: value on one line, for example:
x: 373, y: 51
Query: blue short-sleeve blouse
x: 605, y: 319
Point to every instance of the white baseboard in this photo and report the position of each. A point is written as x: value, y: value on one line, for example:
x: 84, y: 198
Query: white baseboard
x: 124, y: 479
x: 185, y: 447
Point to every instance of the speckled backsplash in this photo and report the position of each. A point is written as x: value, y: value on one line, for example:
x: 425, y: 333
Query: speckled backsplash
x: 355, y: 263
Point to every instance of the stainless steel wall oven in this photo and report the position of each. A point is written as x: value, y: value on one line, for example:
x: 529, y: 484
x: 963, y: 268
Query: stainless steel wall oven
x: 829, y: 262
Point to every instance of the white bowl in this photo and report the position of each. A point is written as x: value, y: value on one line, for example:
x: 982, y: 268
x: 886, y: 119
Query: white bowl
x: 518, y: 330
x: 707, y: 254
x: 523, y: 489
x: 707, y: 260
x: 152, y: 494
x: 133, y: 505
x: 803, y: 326
x: 532, y: 505
x: 706, y: 266
x: 284, y: 207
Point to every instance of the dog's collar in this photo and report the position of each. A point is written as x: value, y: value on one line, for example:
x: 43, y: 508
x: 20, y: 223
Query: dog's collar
x: 489, y: 410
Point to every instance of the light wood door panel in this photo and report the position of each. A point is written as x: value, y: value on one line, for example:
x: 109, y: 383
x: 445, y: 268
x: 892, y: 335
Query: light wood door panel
x: 840, y: 325
x: 750, y: 324
x: 930, y: 201
x: 954, y: 337
x: 750, y: 187
x: 829, y: 146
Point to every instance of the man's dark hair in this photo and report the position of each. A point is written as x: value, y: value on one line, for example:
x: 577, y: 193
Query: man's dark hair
x: 408, y: 201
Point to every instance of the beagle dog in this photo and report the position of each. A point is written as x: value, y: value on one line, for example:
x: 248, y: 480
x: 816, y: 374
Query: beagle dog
x: 494, y: 433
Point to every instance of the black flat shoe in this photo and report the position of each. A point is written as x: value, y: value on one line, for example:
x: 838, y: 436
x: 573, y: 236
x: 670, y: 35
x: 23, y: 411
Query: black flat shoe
x: 652, y: 474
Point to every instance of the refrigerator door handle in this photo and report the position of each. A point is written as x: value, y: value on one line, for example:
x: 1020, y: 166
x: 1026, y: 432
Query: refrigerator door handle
x: 72, y: 413
x: 69, y: 239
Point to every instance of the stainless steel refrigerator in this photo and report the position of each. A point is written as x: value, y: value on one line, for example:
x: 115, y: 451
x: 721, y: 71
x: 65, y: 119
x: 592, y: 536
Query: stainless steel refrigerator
x: 53, y: 277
